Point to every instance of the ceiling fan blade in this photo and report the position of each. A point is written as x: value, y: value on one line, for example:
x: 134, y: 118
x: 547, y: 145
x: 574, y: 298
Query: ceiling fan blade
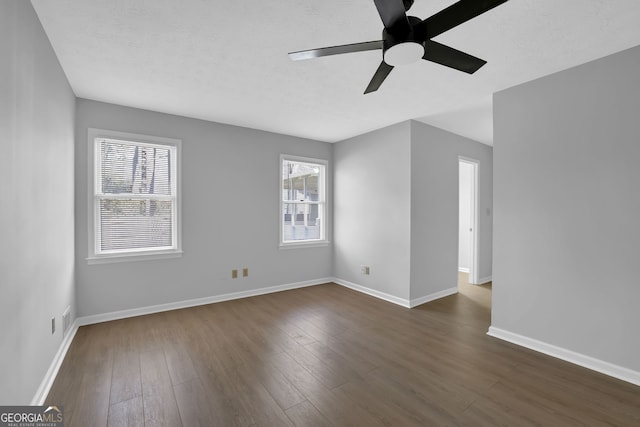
x: 456, y: 14
x: 381, y: 73
x: 393, y: 16
x: 450, y: 57
x: 335, y: 50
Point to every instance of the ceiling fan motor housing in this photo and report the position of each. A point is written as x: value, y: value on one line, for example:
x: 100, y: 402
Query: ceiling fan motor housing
x: 403, y: 49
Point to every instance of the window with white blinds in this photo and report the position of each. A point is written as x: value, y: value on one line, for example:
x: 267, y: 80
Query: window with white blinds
x: 135, y: 198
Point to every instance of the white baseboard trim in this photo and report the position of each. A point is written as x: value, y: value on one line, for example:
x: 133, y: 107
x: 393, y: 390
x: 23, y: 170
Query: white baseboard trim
x: 463, y: 269
x: 588, y: 362
x: 56, y: 363
x: 123, y: 314
x: 484, y: 280
x: 394, y: 299
x: 374, y: 293
x: 432, y: 297
x: 50, y: 376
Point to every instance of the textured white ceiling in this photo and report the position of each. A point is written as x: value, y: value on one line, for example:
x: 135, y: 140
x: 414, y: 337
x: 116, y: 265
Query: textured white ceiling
x: 226, y: 61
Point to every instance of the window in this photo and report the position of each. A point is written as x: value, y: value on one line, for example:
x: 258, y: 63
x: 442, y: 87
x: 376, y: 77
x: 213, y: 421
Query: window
x: 303, y: 201
x: 134, y: 201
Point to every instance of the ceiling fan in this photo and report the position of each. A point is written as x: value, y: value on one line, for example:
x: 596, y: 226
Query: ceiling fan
x: 406, y: 39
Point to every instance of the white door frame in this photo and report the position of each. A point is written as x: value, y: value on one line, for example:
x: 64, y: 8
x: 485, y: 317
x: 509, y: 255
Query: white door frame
x: 473, y: 267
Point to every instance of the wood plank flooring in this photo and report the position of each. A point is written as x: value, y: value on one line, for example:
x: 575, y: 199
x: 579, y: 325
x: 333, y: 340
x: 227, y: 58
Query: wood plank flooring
x: 323, y: 356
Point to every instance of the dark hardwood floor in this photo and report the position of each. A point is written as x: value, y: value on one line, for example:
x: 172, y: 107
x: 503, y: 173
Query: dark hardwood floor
x: 326, y: 355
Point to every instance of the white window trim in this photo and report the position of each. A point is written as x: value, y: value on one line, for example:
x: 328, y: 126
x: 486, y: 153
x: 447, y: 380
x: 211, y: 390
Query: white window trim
x: 324, y: 241
x: 92, y: 219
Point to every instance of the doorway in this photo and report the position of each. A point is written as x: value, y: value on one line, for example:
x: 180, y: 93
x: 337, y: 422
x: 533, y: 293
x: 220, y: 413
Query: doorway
x: 468, y: 220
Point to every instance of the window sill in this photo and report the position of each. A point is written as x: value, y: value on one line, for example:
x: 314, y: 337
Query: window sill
x: 298, y: 245
x: 132, y: 257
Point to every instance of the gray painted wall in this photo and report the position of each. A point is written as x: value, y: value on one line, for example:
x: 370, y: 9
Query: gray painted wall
x: 434, y: 207
x: 230, y: 182
x: 396, y: 208
x: 567, y: 203
x: 372, y: 175
x: 36, y: 218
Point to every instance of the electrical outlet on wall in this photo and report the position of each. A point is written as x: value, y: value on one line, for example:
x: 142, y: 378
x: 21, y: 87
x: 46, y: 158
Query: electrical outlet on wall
x: 245, y: 272
x: 364, y: 269
x: 234, y: 273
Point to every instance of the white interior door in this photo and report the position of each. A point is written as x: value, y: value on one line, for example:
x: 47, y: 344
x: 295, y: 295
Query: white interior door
x: 467, y: 231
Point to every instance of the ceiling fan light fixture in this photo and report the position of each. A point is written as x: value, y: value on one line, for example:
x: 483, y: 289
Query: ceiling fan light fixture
x: 404, y: 53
